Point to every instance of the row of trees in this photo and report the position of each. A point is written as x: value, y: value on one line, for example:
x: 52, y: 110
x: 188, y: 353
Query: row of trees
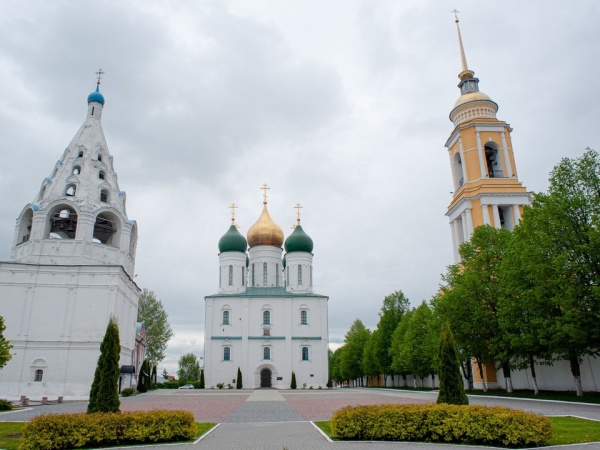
x: 521, y: 297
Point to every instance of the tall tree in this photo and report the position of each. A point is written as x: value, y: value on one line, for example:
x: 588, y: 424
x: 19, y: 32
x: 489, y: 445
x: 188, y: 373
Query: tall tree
x: 5, y: 345
x: 334, y: 365
x: 158, y: 330
x: 189, y: 368
x: 555, y: 266
x: 352, y: 355
x: 104, y: 395
x: 399, y: 364
x: 202, y: 384
x: 470, y: 300
x: 369, y: 361
x: 144, y: 377
x: 416, y: 350
x: 393, y: 308
x: 452, y: 389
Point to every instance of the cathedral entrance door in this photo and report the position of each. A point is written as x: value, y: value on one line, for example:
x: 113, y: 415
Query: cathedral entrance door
x: 265, y: 378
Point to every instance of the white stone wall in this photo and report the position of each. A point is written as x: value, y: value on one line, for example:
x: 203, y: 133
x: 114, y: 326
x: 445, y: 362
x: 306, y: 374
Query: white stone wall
x: 56, y: 317
x: 295, y: 260
x: 272, y: 257
x: 237, y: 262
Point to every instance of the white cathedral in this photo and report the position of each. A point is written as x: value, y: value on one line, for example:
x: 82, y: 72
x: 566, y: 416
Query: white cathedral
x: 71, y: 268
x: 266, y: 319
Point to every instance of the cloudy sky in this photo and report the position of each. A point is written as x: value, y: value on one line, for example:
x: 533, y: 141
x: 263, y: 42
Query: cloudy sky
x: 340, y: 105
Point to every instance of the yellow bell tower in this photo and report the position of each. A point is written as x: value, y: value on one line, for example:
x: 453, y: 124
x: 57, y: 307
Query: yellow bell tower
x: 487, y: 190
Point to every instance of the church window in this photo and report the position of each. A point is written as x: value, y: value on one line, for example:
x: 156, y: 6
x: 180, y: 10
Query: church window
x: 76, y: 170
x: 253, y: 283
x: 225, y: 317
x: 304, y: 353
x: 99, y: 157
x: 39, y: 375
x: 277, y: 274
x: 80, y: 154
x: 267, y: 353
x: 266, y: 317
x: 243, y: 276
x: 63, y: 223
x: 106, y: 229
x: 299, y: 275
x: 230, y: 275
x: 288, y: 276
x: 220, y: 276
x: 311, y: 283
x: 303, y: 317
x: 227, y: 354
x: 102, y: 174
x: 493, y: 162
x: 264, y: 274
x: 104, y: 195
x: 70, y: 192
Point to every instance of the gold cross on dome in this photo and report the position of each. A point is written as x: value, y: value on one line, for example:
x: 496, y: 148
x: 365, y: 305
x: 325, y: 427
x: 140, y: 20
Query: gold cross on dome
x: 455, y: 12
x: 233, y: 207
x: 265, y: 188
x: 99, y: 74
x: 298, y: 207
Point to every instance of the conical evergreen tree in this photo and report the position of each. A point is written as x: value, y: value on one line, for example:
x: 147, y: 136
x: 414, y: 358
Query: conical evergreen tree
x: 153, y: 379
x: 144, y: 377
x: 239, y: 383
x: 293, y: 383
x: 452, y: 390
x: 202, y: 379
x: 104, y: 395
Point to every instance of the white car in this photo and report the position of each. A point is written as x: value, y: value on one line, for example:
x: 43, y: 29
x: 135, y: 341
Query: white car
x: 187, y: 386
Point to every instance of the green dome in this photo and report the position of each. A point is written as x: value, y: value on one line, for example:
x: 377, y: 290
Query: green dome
x: 233, y: 241
x: 298, y: 241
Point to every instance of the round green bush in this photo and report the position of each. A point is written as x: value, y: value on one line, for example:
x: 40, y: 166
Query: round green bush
x: 127, y: 392
x: 5, y: 406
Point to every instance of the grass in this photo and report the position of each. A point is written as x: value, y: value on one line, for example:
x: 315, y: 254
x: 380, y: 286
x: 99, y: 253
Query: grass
x: 11, y: 431
x: 567, y: 430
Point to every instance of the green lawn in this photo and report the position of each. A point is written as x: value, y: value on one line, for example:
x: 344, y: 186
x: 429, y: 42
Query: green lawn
x: 10, y: 432
x: 567, y: 430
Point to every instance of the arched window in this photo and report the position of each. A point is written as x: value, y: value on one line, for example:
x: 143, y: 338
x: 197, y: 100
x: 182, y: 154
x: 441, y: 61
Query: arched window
x: 104, y: 195
x: 264, y: 274
x: 287, y: 272
x: 266, y: 317
x: 225, y: 317
x: 102, y: 174
x: 99, y: 157
x: 304, y: 353
x: 70, y: 191
x: 311, y: 283
x: 303, y: 317
x: 25, y: 224
x: 80, y: 154
x: 493, y: 161
x: 39, y: 375
x: 299, y: 275
x: 226, y: 354
x: 243, y: 277
x: 267, y: 353
x: 230, y: 275
x: 106, y: 229
x: 253, y: 283
x: 63, y: 223
x: 276, y: 274
x: 76, y: 170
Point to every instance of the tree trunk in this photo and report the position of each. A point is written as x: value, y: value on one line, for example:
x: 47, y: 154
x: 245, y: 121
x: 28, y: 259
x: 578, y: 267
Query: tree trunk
x: 507, y: 378
x: 480, y: 366
x: 467, y: 371
x: 536, y: 391
x: 574, y: 362
x: 404, y: 379
x: 385, y: 380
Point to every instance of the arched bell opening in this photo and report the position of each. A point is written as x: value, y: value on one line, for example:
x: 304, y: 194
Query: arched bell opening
x: 493, y: 161
x: 25, y: 224
x: 107, y: 229
x: 62, y: 223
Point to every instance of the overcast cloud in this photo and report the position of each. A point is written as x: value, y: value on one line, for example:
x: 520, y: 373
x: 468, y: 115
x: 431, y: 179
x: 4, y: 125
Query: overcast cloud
x: 340, y: 105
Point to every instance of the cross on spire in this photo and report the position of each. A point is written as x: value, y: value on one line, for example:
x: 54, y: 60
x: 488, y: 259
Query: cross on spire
x: 265, y: 188
x: 298, y: 207
x: 233, y: 207
x: 99, y: 75
x: 455, y: 12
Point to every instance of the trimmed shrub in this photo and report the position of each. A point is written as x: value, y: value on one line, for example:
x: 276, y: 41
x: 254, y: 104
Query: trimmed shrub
x: 5, y: 406
x: 104, y: 395
x: 239, y: 384
x: 172, y: 384
x: 496, y: 426
x: 65, y: 431
x: 201, y: 379
x: 127, y: 392
x: 452, y: 390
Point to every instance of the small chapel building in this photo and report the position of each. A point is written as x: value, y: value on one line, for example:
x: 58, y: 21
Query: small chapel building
x: 71, y: 268
x: 266, y: 319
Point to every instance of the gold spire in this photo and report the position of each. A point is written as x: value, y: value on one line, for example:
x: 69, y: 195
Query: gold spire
x: 265, y: 231
x: 233, y: 207
x: 466, y: 73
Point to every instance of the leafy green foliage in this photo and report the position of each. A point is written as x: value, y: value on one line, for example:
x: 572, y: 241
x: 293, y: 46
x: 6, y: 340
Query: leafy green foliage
x: 238, y: 383
x: 5, y: 405
x: 5, y: 345
x: 158, y: 330
x: 351, y: 366
x: 334, y: 364
x: 189, y: 368
x: 104, y: 395
x: 66, y: 431
x: 394, y: 306
x: 452, y: 390
x: 127, y: 392
x: 293, y: 383
x: 441, y: 423
x: 400, y: 364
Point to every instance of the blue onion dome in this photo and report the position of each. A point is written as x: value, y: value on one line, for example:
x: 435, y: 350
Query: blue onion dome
x: 298, y: 241
x: 233, y: 241
x: 96, y: 96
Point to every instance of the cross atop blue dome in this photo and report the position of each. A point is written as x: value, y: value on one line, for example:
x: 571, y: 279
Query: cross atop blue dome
x: 96, y: 96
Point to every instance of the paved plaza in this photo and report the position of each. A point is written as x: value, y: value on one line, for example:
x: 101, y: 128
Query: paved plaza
x: 268, y: 419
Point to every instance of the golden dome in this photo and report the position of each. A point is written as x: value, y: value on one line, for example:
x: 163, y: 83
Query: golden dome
x: 265, y: 231
x: 471, y: 97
